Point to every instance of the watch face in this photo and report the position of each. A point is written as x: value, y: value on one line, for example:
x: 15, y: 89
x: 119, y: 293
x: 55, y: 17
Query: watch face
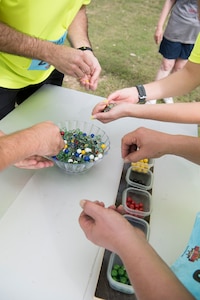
x: 142, y: 101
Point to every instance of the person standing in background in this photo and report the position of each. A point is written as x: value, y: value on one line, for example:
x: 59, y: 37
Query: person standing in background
x: 179, y: 36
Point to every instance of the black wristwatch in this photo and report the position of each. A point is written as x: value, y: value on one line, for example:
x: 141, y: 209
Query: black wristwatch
x: 85, y: 48
x: 141, y: 94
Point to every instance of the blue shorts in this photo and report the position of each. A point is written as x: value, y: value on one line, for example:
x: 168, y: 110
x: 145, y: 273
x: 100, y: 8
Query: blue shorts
x: 174, y: 50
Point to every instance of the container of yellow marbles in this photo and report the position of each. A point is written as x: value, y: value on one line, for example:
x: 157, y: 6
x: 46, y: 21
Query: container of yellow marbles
x: 143, y: 165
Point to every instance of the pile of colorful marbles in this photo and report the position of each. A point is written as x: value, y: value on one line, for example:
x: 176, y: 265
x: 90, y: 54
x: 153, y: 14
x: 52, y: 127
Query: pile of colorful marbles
x: 81, y: 147
x: 109, y: 107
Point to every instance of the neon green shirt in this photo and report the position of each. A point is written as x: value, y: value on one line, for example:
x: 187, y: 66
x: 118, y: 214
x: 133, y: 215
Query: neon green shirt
x: 195, y: 54
x: 45, y: 19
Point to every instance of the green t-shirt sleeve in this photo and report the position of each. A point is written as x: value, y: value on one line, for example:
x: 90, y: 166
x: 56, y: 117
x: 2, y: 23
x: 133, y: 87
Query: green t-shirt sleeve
x: 195, y: 54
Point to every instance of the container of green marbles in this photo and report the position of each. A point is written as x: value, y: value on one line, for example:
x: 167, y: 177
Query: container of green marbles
x: 85, y: 146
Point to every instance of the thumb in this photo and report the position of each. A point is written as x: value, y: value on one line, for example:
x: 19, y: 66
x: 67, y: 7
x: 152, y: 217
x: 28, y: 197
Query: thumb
x: 134, y: 156
x: 92, y: 209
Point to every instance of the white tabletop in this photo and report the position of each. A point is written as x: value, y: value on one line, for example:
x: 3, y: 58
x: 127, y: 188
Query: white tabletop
x: 44, y: 253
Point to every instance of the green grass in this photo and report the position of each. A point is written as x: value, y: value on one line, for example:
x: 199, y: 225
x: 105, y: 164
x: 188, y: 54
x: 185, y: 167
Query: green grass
x: 121, y: 33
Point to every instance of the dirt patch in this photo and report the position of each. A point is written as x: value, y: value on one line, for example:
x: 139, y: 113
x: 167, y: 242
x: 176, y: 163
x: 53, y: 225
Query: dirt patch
x: 71, y: 82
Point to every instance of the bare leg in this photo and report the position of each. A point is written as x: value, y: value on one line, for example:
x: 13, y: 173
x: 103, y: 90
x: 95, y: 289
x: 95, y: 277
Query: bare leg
x: 166, y: 68
x: 179, y: 64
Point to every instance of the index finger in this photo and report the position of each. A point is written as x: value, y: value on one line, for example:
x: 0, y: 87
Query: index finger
x: 91, y: 208
x: 95, y: 76
x: 128, y: 145
x: 114, y: 96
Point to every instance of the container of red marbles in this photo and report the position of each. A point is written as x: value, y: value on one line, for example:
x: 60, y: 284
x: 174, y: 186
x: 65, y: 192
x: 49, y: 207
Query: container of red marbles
x: 137, y: 202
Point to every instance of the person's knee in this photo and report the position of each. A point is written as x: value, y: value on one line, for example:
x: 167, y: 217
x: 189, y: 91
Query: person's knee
x: 167, y: 65
x: 179, y: 65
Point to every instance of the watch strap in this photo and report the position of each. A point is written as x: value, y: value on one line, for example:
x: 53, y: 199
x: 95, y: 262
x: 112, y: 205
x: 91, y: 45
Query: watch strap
x: 84, y: 48
x: 141, y: 94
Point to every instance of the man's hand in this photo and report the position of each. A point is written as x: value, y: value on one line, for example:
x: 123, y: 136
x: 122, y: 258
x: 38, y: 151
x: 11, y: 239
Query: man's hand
x: 90, y: 82
x: 104, y: 226
x: 34, y: 162
x: 82, y: 65
x: 47, y: 139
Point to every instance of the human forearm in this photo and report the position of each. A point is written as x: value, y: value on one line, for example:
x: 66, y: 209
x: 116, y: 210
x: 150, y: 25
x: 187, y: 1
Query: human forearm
x: 147, y: 143
x: 165, y: 12
x: 18, y: 43
x: 178, y: 112
x: 177, y: 84
x: 149, y: 275
x: 65, y: 59
x: 78, y: 30
x: 41, y: 139
x: 16, y: 147
x: 187, y: 147
x: 78, y: 37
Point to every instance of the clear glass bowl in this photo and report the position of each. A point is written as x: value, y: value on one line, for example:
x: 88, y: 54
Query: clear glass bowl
x: 88, y: 129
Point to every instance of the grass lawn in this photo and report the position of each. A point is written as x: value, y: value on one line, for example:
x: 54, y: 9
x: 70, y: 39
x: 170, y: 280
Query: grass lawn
x: 121, y: 33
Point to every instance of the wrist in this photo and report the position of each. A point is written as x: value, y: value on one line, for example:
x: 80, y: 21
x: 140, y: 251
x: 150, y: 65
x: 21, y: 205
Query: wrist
x: 137, y: 237
x: 29, y: 134
x: 129, y: 110
x: 50, y: 52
